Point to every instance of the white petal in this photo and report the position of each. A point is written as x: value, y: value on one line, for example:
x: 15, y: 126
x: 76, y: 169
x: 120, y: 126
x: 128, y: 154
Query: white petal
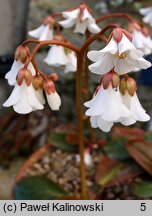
x: 11, y: 75
x: 81, y: 27
x: 36, y: 33
x: 97, y: 55
x: 148, y: 18
x: 86, y: 15
x: 146, y: 10
x: 71, y: 14
x: 102, y: 66
x: 56, y: 56
x: 47, y: 33
x: 40, y: 96
x: 32, y: 99
x: 31, y: 68
x: 127, y: 121
x: 116, y: 109
x: 137, y: 110
x: 68, y: 23
x: 125, y: 45
x: 99, y: 104
x: 54, y: 101
x: 93, y: 28
x: 72, y: 63
x: 104, y: 125
x: 93, y: 120
x: 23, y: 106
x: 14, y: 97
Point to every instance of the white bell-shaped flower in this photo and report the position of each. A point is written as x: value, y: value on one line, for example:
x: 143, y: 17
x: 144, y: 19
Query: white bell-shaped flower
x: 119, y: 54
x: 45, y: 31
x: 52, y: 96
x: 23, y: 99
x: 12, y: 74
x: 81, y: 18
x: 142, y: 42
x: 137, y: 111
x: 58, y: 56
x: 105, y: 108
x: 42, y: 33
x: 147, y: 12
x: 54, y: 100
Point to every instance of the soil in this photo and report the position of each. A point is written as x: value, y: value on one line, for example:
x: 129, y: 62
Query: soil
x: 63, y: 168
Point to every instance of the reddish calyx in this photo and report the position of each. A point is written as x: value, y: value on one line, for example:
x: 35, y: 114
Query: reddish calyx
x: 22, y: 53
x: 24, y: 74
x: 49, y: 87
x: 117, y: 34
x: 110, y: 78
x: 128, y: 85
x: 82, y: 7
x: 37, y: 82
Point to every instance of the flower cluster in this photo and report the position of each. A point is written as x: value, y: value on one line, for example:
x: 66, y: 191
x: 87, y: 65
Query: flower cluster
x: 82, y: 19
x: 115, y: 99
x: 27, y: 95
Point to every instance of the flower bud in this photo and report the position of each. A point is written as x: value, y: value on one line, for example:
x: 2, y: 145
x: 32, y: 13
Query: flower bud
x: 24, y: 74
x: 123, y: 86
x: 22, y: 53
x: 49, y: 87
x: 117, y: 34
x: 37, y: 82
x: 131, y: 86
x: 54, y: 77
x: 112, y: 78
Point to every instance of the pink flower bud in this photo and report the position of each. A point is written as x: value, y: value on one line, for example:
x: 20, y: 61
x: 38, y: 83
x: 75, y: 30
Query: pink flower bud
x: 117, y: 34
x: 22, y: 53
x: 24, y: 74
x: 110, y: 78
x: 49, y: 87
x: 54, y: 77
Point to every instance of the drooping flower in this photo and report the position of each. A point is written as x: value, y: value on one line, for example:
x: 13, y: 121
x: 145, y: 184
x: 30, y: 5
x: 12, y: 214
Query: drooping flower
x: 141, y: 38
x: 60, y: 56
x: 52, y: 96
x: 147, y: 12
x: 119, y: 54
x: 23, y: 97
x: 45, y: 31
x: 21, y: 55
x: 107, y: 106
x: 128, y: 89
x: 82, y: 19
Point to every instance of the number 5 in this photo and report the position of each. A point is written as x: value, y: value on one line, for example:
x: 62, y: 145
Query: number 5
x: 143, y: 207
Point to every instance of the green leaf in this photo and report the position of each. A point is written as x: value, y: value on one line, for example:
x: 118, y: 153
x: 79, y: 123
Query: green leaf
x: 37, y: 188
x: 144, y: 189
x: 59, y: 140
x: 115, y: 149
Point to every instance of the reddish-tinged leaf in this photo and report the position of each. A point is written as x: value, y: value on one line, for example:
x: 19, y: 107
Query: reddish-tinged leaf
x: 129, y: 132
x: 107, y: 169
x: 141, y: 151
x: 72, y: 138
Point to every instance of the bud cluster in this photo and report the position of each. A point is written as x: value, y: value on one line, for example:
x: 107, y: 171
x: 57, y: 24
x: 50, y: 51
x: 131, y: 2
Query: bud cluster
x: 128, y: 85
